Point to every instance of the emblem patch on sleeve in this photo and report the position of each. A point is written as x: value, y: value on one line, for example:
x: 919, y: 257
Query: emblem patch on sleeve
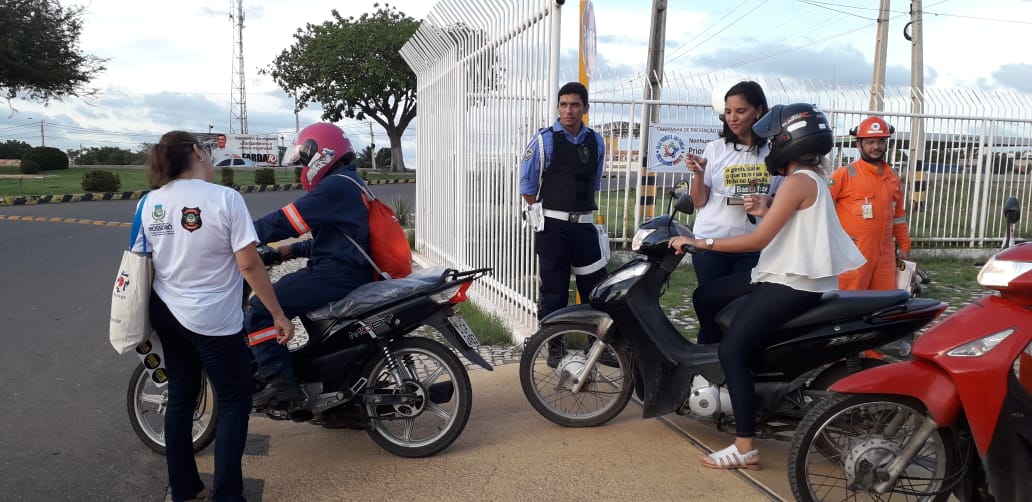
x: 528, y: 154
x: 191, y: 218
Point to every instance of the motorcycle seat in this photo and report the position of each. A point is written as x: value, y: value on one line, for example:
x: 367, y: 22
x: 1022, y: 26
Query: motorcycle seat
x: 376, y: 294
x: 834, y: 305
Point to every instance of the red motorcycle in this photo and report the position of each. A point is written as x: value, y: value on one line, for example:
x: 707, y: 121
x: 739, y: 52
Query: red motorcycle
x: 954, y: 420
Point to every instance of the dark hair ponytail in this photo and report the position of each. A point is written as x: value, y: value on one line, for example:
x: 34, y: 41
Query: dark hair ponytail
x: 171, y: 157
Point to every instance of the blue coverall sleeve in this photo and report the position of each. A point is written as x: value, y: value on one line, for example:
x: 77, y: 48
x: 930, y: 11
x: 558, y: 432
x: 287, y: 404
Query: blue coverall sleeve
x: 601, y: 161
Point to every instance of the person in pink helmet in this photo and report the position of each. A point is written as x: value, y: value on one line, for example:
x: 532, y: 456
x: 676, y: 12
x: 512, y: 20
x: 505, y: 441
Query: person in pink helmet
x: 331, y: 210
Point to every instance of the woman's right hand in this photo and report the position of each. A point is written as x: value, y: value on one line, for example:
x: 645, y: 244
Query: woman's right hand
x: 284, y: 329
x: 695, y: 164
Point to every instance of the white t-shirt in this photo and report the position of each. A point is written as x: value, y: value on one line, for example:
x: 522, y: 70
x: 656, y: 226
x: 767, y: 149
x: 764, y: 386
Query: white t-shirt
x: 729, y: 171
x: 812, y: 249
x: 193, y: 229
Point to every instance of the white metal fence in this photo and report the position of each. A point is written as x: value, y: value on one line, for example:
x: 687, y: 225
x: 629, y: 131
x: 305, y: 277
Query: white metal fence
x: 486, y: 73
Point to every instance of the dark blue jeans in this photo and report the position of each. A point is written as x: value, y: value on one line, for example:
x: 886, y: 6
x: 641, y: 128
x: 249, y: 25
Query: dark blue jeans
x: 299, y: 292
x: 712, y: 265
x: 767, y: 306
x: 228, y: 365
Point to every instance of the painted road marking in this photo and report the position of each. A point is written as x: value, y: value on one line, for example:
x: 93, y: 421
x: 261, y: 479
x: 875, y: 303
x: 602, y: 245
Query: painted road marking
x: 98, y: 223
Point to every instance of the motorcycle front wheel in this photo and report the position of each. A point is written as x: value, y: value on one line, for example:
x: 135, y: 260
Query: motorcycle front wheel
x: 842, y: 439
x: 146, y: 403
x: 436, y: 416
x: 558, y: 351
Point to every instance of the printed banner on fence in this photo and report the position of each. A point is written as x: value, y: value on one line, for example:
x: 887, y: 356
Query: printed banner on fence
x: 670, y: 143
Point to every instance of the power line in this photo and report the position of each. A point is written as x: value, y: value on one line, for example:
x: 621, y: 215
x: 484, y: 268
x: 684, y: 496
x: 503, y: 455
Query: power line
x: 823, y: 5
x: 739, y: 18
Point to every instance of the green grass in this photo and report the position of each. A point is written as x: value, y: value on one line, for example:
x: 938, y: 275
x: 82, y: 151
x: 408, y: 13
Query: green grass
x: 134, y: 178
x: 488, y: 327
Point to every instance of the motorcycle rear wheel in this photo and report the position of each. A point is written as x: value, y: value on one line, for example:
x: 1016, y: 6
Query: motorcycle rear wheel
x: 146, y: 403
x: 428, y: 425
x: 559, y: 348
x: 849, y: 432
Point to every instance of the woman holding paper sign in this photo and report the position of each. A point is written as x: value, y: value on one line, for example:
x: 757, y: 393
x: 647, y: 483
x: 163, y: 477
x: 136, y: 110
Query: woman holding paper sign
x: 730, y: 168
x: 203, y: 246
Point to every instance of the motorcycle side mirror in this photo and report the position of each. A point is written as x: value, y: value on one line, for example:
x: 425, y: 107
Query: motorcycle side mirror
x: 1012, y: 210
x: 680, y: 188
x: 685, y: 204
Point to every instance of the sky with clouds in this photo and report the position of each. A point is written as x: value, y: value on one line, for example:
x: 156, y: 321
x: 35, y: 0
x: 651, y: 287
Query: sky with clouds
x: 170, y: 67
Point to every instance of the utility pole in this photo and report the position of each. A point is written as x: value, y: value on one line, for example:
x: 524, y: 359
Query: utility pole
x: 880, y: 49
x: 650, y: 113
x: 42, y: 140
x: 372, y: 146
x: 917, y: 135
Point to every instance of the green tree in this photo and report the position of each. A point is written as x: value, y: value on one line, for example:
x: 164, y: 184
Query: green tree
x: 14, y: 149
x: 353, y: 69
x: 383, y: 157
x: 364, y: 158
x: 39, y: 55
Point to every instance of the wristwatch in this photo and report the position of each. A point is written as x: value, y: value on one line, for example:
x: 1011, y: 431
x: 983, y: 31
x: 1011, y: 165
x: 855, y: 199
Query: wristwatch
x: 709, y: 243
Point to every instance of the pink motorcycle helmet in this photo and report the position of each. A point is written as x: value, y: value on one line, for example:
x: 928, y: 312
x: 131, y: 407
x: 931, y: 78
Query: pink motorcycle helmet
x: 319, y: 148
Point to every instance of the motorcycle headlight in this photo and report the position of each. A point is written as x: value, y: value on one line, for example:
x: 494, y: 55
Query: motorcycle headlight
x: 1000, y: 273
x: 636, y: 270
x: 639, y: 237
x: 981, y: 346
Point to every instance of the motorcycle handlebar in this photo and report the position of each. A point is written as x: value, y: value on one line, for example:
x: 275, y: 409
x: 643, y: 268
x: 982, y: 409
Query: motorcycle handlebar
x: 688, y: 248
x: 269, y: 255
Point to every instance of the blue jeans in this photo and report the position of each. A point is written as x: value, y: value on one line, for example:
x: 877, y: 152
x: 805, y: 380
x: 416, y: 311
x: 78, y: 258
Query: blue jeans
x: 298, y: 293
x: 712, y: 265
x: 767, y: 306
x: 228, y: 365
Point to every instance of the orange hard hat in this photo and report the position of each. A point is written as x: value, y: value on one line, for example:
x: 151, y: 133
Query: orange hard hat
x: 873, y: 127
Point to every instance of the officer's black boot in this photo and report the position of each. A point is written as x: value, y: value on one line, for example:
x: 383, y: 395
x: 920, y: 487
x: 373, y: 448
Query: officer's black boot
x: 282, y: 388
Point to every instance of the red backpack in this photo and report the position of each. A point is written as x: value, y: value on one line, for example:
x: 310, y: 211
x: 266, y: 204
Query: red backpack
x: 388, y: 244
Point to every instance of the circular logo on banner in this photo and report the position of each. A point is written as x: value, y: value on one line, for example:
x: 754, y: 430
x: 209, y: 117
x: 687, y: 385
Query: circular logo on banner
x: 669, y: 150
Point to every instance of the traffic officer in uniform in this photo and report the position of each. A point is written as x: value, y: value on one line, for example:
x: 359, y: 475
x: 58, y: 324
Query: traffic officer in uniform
x: 560, y: 174
x: 868, y: 198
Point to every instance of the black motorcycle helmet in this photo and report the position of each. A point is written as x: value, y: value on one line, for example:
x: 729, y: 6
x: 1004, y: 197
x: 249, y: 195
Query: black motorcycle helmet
x: 793, y: 131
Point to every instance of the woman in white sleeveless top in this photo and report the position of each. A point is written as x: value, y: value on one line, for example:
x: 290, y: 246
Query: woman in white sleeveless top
x: 803, y: 250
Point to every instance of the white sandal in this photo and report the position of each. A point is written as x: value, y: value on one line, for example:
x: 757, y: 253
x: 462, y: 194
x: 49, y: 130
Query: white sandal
x: 731, y: 458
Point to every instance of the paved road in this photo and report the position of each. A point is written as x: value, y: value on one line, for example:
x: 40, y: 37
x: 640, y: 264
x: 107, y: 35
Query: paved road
x: 65, y: 436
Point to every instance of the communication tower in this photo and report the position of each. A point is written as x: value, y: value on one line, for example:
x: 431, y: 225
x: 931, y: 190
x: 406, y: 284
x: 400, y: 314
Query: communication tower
x: 238, y: 95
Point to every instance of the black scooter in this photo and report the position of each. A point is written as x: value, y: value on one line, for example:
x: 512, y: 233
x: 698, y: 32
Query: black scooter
x: 584, y: 362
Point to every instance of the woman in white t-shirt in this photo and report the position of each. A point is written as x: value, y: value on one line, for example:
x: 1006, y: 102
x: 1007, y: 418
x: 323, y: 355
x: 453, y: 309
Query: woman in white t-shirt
x: 203, y: 245
x: 804, y: 249
x: 730, y: 167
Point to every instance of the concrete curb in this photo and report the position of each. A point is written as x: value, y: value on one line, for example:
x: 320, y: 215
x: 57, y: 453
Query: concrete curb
x: 32, y: 200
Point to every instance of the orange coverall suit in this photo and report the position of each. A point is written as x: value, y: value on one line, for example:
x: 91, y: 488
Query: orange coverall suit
x: 853, y: 187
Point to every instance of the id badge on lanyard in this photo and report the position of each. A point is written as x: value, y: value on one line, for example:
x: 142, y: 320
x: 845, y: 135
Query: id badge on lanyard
x: 867, y: 209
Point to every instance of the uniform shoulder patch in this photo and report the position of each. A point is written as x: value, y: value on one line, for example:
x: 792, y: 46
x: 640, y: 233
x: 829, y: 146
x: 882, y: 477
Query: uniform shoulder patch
x: 528, y: 154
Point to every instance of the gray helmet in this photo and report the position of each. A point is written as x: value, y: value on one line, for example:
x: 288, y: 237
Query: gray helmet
x: 793, y: 131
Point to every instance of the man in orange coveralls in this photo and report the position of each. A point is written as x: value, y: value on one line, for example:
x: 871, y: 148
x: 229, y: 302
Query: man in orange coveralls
x: 868, y: 198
